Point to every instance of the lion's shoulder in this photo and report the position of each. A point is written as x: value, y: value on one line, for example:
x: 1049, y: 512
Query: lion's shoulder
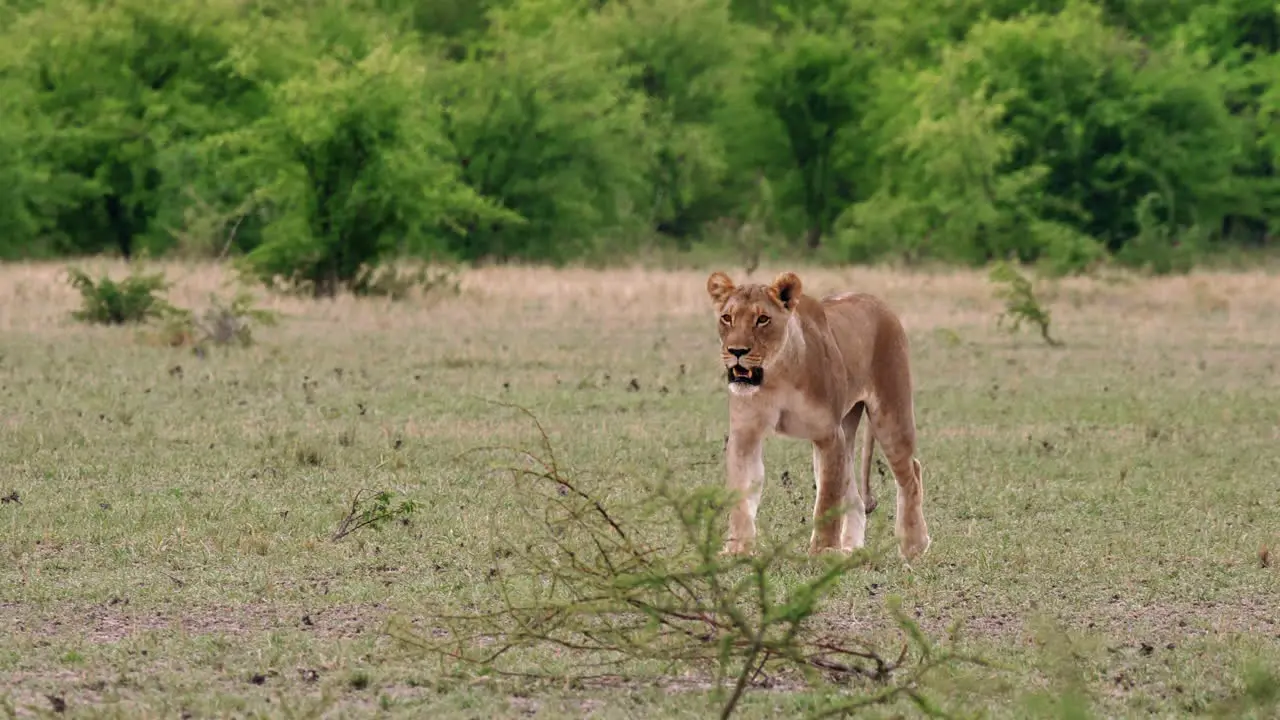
x: 864, y: 331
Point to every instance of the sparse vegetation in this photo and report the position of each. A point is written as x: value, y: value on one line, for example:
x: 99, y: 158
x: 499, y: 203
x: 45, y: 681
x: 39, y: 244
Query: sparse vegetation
x: 374, y: 512
x: 225, y: 323
x: 221, y: 323
x: 134, y: 300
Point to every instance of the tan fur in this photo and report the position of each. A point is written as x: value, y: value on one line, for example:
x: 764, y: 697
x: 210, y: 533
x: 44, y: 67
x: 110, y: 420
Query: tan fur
x: 820, y: 365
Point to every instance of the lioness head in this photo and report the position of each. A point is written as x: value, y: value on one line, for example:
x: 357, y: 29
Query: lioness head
x: 754, y: 322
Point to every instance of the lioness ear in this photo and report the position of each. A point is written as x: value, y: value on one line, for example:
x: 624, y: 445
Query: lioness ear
x: 787, y: 288
x: 719, y: 286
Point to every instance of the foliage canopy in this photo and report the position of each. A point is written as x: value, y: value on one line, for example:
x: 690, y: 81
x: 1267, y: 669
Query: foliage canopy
x: 318, y: 139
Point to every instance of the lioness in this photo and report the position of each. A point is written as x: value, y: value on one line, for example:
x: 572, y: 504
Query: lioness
x: 809, y: 368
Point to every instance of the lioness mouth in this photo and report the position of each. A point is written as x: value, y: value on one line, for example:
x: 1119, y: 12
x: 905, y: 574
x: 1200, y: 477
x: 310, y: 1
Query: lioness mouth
x: 748, y: 376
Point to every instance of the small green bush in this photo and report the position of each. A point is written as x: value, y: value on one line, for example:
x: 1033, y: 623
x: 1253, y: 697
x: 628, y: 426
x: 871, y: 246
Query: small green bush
x: 394, y: 283
x: 1020, y: 302
x: 132, y: 300
x: 224, y: 323
x: 373, y: 512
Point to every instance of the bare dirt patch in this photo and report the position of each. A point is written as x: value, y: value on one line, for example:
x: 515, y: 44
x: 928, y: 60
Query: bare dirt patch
x: 116, y: 620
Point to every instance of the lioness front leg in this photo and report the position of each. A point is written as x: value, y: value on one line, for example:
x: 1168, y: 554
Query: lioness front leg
x: 861, y: 501
x: 744, y: 458
x: 832, y: 471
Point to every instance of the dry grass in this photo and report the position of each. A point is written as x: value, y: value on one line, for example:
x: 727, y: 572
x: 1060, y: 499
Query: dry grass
x: 169, y: 553
x: 36, y: 296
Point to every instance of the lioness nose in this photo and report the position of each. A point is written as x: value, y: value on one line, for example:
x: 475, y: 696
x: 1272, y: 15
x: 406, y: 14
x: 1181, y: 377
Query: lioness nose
x: 738, y: 352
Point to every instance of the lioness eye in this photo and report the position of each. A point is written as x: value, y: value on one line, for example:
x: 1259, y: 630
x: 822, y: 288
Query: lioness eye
x: 762, y: 320
x: 726, y: 319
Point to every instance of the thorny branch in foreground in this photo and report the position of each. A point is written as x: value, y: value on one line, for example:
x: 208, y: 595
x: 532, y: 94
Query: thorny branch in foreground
x: 609, y: 591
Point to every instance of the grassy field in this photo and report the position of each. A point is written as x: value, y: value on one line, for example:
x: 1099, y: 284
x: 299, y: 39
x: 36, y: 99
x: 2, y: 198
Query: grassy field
x: 1105, y: 514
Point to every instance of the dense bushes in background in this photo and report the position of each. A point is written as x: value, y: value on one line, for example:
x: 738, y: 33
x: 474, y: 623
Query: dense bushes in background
x: 108, y: 102
x: 1054, y: 136
x: 312, y: 139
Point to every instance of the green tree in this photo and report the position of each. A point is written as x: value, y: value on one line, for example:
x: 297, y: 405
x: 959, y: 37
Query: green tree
x: 1243, y: 38
x: 543, y: 122
x: 817, y: 83
x: 350, y: 167
x: 117, y: 93
x: 18, y: 225
x: 685, y: 57
x: 1069, y: 126
x: 453, y: 25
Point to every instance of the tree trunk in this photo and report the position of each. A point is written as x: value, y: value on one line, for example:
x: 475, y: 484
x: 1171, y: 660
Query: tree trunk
x: 120, y: 225
x: 813, y: 238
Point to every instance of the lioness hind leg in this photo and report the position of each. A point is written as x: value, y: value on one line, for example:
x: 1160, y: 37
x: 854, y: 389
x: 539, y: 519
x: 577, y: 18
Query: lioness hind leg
x: 865, y: 453
x: 897, y: 436
x: 859, y: 501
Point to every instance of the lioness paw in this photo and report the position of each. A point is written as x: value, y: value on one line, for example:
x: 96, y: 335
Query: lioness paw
x: 825, y: 546
x: 737, y: 547
x: 912, y: 548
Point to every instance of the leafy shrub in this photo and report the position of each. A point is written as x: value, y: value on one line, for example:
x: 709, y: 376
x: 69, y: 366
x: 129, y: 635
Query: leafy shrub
x: 116, y: 94
x: 391, y: 281
x: 543, y: 121
x: 1058, y: 119
x: 132, y: 300
x: 1020, y: 301
x: 687, y: 59
x: 349, y: 163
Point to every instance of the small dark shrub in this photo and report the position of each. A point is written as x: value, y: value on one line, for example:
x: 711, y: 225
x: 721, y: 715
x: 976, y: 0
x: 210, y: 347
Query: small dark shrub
x: 225, y: 323
x: 391, y: 282
x: 132, y: 300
